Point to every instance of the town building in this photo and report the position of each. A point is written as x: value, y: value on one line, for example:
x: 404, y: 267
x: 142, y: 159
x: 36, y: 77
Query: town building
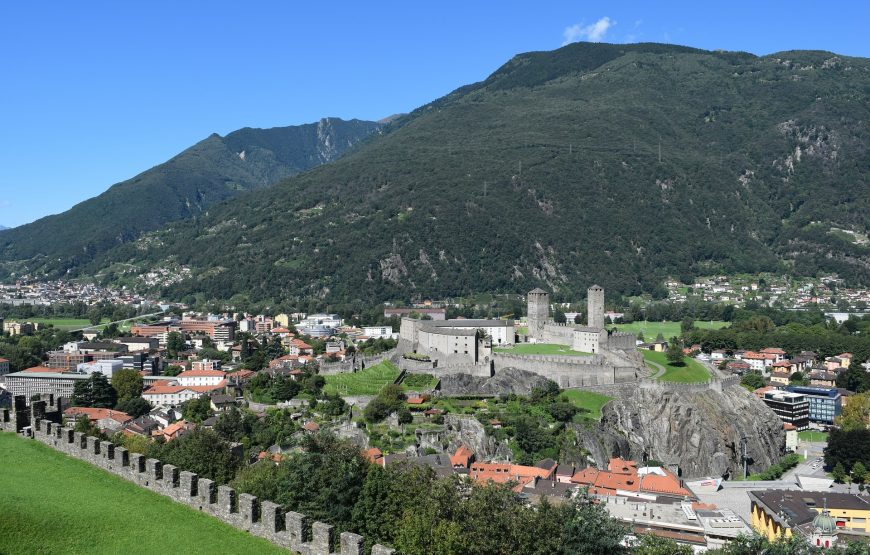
x: 4, y: 367
x: 200, y: 377
x: 137, y: 344
x: 793, y: 408
x: 106, y: 367
x: 378, y: 332
x: 175, y: 394
x: 824, y: 402
x: 776, y: 513
x: 42, y: 381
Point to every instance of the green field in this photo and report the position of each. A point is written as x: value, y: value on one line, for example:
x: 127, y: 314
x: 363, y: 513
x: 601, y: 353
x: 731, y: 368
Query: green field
x: 365, y: 382
x: 667, y: 329
x: 60, y: 323
x: 587, y: 401
x: 51, y: 503
x: 813, y: 435
x: 692, y: 371
x: 540, y: 349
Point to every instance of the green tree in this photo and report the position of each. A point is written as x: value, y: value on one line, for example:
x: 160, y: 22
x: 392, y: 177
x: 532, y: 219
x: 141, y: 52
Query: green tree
x: 197, y: 410
x: 674, y: 353
x: 591, y: 531
x: 559, y: 316
x: 687, y: 325
x: 654, y: 545
x: 859, y: 472
x: 839, y: 473
x: 174, y: 343
x: 753, y: 380
x: 127, y: 383
x: 96, y: 391
x: 84, y: 425
x: 135, y: 407
x: 201, y: 451
x: 173, y: 370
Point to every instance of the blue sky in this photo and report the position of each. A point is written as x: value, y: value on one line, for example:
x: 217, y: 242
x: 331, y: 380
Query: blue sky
x: 93, y: 93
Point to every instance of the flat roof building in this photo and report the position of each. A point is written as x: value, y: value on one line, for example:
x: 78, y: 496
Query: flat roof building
x: 792, y: 408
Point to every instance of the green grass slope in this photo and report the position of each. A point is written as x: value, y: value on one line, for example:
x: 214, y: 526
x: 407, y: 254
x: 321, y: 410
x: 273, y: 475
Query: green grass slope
x: 691, y: 371
x: 364, y: 382
x: 207, y: 173
x: 51, y: 503
x: 594, y: 163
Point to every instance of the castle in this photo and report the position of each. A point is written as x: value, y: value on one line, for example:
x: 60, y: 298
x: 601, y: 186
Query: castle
x: 472, y: 346
x: 591, y: 338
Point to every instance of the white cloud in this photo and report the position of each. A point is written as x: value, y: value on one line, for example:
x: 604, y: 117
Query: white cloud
x: 592, y: 33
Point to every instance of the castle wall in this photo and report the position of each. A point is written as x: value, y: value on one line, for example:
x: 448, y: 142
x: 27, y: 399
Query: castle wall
x: 568, y: 371
x: 622, y: 340
x: 291, y: 530
x: 551, y: 332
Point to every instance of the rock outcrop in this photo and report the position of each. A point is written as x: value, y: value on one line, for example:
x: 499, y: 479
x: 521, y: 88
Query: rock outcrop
x: 697, y: 430
x: 508, y: 380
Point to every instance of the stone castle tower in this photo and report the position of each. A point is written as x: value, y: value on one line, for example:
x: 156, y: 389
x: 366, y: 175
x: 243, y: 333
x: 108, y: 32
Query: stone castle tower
x: 594, y: 306
x: 538, y: 312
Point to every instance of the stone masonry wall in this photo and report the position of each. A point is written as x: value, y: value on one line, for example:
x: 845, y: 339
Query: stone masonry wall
x: 262, y: 518
x: 568, y: 371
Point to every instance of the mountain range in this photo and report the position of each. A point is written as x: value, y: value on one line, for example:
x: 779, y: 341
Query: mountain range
x: 616, y: 164
x: 211, y: 171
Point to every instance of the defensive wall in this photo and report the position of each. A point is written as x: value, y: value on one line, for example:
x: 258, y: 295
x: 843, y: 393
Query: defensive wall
x: 568, y: 371
x: 291, y: 530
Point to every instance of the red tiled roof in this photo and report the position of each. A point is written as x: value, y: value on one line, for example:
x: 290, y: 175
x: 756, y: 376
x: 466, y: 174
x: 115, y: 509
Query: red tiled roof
x: 95, y: 414
x: 158, y: 389
x: 462, y: 457
x: 311, y: 426
x: 202, y: 373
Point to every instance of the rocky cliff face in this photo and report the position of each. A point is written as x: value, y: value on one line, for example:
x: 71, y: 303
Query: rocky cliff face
x: 699, y: 431
x: 509, y: 380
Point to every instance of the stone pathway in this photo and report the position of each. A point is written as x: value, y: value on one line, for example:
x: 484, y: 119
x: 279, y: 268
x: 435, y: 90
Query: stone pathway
x: 660, y: 370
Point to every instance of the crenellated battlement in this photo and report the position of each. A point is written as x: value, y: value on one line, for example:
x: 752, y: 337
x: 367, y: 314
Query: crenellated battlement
x: 291, y: 530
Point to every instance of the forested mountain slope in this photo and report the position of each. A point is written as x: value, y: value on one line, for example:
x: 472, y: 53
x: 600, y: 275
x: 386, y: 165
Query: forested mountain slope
x: 211, y: 171
x: 615, y: 164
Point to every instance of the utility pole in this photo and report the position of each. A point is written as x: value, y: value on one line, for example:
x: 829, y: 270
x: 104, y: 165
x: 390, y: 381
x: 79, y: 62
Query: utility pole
x: 743, y: 443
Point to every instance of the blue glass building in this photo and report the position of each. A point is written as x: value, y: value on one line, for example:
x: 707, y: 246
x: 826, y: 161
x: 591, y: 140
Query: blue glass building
x: 825, y: 402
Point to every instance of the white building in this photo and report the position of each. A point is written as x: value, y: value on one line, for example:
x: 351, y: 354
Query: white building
x: 378, y: 332
x: 173, y: 395
x: 195, y: 378
x: 325, y: 320
x: 106, y: 367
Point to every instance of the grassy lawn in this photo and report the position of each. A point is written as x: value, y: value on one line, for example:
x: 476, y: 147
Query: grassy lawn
x: 61, y: 323
x: 813, y: 435
x: 540, y: 349
x: 692, y: 370
x: 667, y: 329
x: 587, y: 401
x: 365, y: 382
x: 54, y: 504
